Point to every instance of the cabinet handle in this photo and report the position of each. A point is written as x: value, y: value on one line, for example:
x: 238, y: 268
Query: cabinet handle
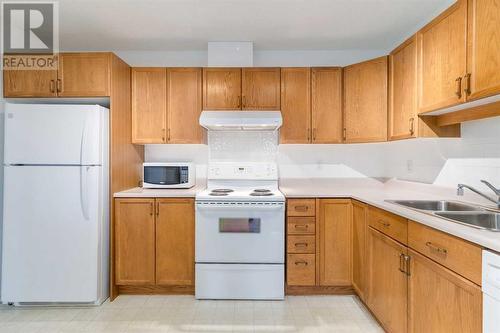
x: 385, y: 224
x: 243, y: 101
x: 151, y: 208
x: 412, y: 123
x: 402, y: 263
x: 59, y: 85
x: 344, y: 134
x: 52, y: 86
x: 158, y: 209
x: 239, y: 102
x: 302, y: 262
x: 302, y: 208
x: 314, y: 134
x: 301, y: 226
x: 458, y: 92
x: 467, y: 84
x: 168, y: 136
x: 163, y: 135
x: 437, y: 249
x: 301, y: 244
x: 407, y: 264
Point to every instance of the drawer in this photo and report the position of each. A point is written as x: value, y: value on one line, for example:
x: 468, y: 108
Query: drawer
x: 460, y: 256
x: 301, y: 207
x: 301, y: 244
x: 301, y: 270
x: 387, y: 223
x: 301, y: 225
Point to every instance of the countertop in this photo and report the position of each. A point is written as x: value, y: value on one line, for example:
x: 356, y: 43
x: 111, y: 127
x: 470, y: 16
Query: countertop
x: 139, y: 192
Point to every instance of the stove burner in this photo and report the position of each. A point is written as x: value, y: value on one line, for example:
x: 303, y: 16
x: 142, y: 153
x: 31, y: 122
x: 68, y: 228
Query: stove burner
x: 218, y: 194
x: 222, y: 190
x: 261, y: 190
x: 261, y: 194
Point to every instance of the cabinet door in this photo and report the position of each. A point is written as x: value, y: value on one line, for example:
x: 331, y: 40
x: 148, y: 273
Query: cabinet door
x: 442, y: 59
x: 296, y: 105
x: 175, y: 241
x: 149, y: 109
x: 403, y: 91
x: 359, y: 229
x: 184, y: 105
x: 365, y: 101
x: 387, y: 283
x: 260, y: 88
x: 29, y: 83
x: 134, y: 241
x: 84, y: 74
x: 221, y: 88
x: 440, y: 300
x: 326, y: 105
x: 335, y: 229
x: 483, y: 61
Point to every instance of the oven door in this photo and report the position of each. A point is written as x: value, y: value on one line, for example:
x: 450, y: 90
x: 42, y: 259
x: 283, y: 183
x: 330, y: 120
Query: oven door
x: 240, y: 232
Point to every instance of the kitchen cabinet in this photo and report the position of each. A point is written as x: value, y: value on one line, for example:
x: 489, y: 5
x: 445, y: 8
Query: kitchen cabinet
x: 221, y: 88
x: 335, y: 230
x: 359, y: 230
x: 149, y: 116
x: 365, y: 101
x: 442, y: 50
x: 326, y: 105
x: 440, y: 300
x: 175, y: 242
x: 483, y: 58
x: 296, y: 105
x: 184, y: 105
x: 29, y: 83
x: 387, y: 281
x: 134, y: 241
x: 260, y: 88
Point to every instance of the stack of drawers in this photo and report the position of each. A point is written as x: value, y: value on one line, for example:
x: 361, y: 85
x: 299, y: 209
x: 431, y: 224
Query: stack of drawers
x: 301, y: 242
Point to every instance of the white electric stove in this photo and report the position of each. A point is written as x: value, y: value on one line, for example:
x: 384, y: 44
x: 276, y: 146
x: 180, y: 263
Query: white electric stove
x: 240, y: 233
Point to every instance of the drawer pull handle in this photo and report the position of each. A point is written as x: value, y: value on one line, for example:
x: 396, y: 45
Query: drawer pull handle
x: 301, y: 244
x: 302, y: 208
x: 385, y: 224
x: 436, y: 248
x: 301, y: 226
x: 301, y: 263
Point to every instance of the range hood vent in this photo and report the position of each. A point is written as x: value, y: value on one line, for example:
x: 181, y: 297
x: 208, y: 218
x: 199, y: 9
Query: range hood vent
x: 241, y: 120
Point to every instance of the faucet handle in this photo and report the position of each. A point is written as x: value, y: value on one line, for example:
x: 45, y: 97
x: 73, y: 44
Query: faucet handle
x: 460, y: 190
x: 493, y: 188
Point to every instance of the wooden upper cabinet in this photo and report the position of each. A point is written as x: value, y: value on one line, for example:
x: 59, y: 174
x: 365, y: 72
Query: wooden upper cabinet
x: 184, y: 104
x: 359, y: 229
x: 149, y: 89
x: 365, y: 101
x: 326, y: 105
x: 440, y: 300
x: 386, y: 281
x: 135, y: 241
x: 84, y: 74
x: 296, y: 105
x: 483, y: 62
x: 175, y: 242
x: 442, y: 49
x: 403, y: 91
x: 260, y: 89
x: 335, y: 234
x: 29, y: 83
x: 221, y: 88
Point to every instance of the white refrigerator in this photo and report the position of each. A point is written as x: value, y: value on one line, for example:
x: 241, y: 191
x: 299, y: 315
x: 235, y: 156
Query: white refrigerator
x: 55, y: 247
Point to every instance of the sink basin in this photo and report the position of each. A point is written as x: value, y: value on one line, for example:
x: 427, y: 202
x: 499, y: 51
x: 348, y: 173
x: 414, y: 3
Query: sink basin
x: 437, y: 205
x: 482, y: 220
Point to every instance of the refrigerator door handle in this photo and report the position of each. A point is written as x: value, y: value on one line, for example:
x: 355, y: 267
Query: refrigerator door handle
x: 83, y: 143
x: 84, y: 195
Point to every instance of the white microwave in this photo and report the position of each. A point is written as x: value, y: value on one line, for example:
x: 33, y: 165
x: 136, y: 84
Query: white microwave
x: 168, y: 175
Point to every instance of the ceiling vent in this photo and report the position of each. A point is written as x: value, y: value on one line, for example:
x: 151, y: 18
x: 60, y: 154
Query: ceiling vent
x: 230, y: 54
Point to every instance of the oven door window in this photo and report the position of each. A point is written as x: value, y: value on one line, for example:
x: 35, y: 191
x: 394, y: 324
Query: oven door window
x: 239, y: 225
x: 161, y: 175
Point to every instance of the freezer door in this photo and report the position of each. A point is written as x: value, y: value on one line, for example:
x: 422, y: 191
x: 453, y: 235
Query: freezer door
x: 51, y: 227
x: 53, y: 134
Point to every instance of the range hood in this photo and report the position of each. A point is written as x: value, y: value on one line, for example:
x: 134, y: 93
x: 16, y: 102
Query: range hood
x: 241, y: 120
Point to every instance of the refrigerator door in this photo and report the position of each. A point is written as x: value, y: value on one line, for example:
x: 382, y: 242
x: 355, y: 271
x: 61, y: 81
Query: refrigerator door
x: 51, y: 234
x: 53, y: 134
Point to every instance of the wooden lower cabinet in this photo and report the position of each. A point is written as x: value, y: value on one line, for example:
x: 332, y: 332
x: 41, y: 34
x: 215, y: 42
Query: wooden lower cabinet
x: 301, y: 269
x: 359, y: 229
x: 440, y: 300
x: 387, y: 282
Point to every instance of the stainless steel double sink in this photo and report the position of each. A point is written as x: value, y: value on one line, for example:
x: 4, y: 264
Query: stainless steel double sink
x: 455, y: 211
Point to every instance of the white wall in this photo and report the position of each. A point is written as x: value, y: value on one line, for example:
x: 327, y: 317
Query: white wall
x: 1, y: 168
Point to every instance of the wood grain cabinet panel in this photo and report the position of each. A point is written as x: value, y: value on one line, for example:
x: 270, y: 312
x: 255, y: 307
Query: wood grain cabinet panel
x: 221, y: 88
x: 175, y: 242
x: 440, y: 300
x: 387, y: 283
x: 184, y: 104
x: 84, y: 74
x: 359, y: 229
x: 326, y: 105
x: 442, y: 49
x: 29, y: 83
x: 260, y: 88
x: 390, y: 224
x: 149, y: 90
x: 301, y: 244
x: 301, y: 207
x: 134, y: 241
x: 296, y: 105
x: 301, y: 225
x: 335, y: 234
x: 301, y: 269
x: 365, y: 101
x: 483, y: 61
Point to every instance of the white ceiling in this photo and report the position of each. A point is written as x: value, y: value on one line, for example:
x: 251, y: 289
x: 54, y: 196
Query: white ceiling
x: 180, y: 25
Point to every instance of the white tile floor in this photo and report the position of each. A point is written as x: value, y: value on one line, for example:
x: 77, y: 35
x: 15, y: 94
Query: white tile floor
x: 144, y: 314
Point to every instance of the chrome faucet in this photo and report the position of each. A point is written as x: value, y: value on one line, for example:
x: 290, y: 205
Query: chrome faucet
x: 460, y: 191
